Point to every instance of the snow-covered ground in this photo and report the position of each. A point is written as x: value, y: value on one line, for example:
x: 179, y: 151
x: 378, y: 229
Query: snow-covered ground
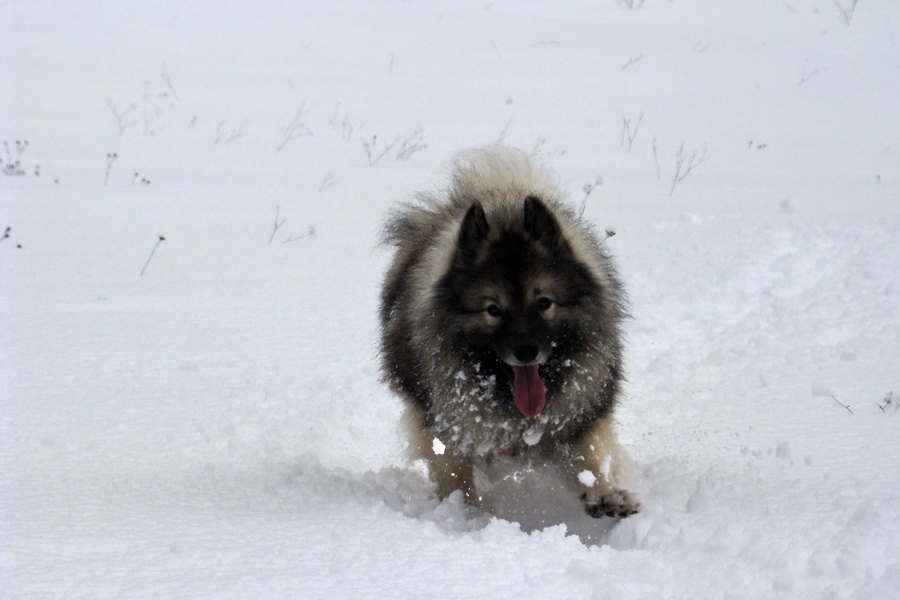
x: 215, y: 428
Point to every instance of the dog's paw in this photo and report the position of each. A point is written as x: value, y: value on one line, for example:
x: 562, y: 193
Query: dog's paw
x: 617, y: 503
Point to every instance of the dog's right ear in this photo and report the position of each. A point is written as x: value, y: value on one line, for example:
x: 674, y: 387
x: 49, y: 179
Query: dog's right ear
x: 540, y: 223
x: 472, y: 233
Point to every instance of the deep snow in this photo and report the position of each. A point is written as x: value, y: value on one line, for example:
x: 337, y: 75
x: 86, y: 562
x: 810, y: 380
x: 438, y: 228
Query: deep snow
x: 215, y: 428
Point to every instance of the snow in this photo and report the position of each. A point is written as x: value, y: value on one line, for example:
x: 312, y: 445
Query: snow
x: 605, y: 466
x: 216, y: 428
x: 587, y: 478
x: 533, y: 435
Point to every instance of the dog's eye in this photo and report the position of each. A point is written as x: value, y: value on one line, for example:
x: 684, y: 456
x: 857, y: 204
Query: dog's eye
x: 543, y: 303
x: 494, y: 310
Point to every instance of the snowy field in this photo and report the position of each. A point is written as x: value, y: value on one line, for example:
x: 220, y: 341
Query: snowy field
x: 215, y: 428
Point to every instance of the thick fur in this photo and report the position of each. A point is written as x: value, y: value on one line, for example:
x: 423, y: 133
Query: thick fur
x: 497, y: 272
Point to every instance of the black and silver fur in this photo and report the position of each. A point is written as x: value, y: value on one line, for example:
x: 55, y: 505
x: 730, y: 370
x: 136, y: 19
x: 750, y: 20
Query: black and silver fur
x: 491, y: 275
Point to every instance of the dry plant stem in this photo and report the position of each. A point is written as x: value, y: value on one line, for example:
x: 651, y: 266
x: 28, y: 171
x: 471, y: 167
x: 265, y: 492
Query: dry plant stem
x: 120, y: 116
x: 278, y: 223
x: 152, y: 252
x: 889, y: 401
x: 684, y: 164
x: 627, y: 134
x: 806, y: 76
x: 371, y: 154
x: 632, y: 61
x: 296, y: 129
x: 497, y: 51
x: 168, y: 81
x: 228, y: 137
x: 502, y: 137
x: 656, y: 160
x: 411, y: 144
x: 327, y: 182
x: 310, y: 232
x: 842, y: 404
x: 846, y: 12
x: 110, y: 159
x: 13, y: 166
x: 588, y: 190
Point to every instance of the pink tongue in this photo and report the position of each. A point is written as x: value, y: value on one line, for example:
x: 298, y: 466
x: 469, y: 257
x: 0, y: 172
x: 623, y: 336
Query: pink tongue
x: 528, y: 390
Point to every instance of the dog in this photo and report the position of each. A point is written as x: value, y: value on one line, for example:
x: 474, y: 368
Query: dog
x: 501, y: 318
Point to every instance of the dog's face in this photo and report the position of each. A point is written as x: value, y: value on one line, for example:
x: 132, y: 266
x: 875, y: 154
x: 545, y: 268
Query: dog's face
x: 516, y: 291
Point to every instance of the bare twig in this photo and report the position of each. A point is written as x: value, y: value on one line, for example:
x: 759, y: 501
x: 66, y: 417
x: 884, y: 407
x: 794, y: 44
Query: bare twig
x: 294, y: 130
x: 278, y: 223
x: 806, y: 76
x: 632, y: 61
x: 656, y: 159
x: 327, y: 182
x: 588, y: 189
x: 412, y: 143
x: 347, y: 127
x: 229, y: 136
x: 13, y: 165
x: 152, y: 252
x: 842, y: 404
x: 502, y: 137
x: 5, y: 234
x: 627, y: 134
x: 310, y: 232
x: 110, y: 159
x: 684, y: 164
x: 497, y: 51
x: 409, y: 144
x: 846, y: 12
x: 120, y: 115
x: 136, y: 178
x: 888, y: 398
x: 372, y: 153
x: 164, y: 75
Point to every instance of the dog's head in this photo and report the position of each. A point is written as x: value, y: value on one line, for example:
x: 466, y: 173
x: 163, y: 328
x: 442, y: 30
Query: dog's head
x: 516, y: 288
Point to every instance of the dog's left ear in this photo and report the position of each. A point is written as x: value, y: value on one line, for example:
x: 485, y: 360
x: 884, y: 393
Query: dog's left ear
x: 540, y: 223
x: 473, y: 232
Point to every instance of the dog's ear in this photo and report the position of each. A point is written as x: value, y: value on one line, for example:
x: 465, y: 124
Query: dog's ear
x: 540, y: 223
x: 472, y: 233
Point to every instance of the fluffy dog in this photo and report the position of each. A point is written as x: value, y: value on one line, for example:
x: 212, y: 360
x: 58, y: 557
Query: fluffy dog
x: 501, y: 330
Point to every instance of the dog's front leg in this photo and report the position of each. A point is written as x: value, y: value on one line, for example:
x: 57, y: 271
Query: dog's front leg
x: 452, y: 474
x: 448, y: 472
x: 597, y: 464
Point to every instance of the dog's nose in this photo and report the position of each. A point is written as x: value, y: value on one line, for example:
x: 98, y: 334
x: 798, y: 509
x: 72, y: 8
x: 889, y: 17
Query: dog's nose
x: 526, y: 352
